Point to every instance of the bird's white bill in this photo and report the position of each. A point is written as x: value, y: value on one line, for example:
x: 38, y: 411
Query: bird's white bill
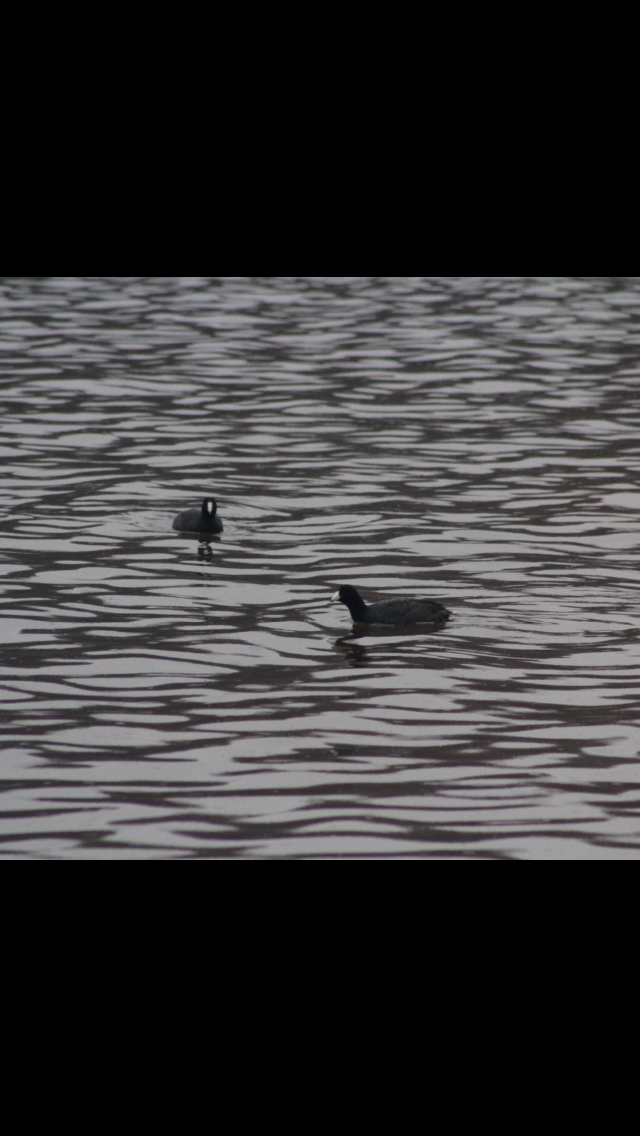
x: 336, y: 596
x: 209, y: 506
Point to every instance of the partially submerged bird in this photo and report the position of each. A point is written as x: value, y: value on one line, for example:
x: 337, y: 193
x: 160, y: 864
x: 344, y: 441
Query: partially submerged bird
x: 202, y: 520
x: 391, y: 611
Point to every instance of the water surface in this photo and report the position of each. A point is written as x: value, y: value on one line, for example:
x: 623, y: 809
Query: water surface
x: 475, y: 441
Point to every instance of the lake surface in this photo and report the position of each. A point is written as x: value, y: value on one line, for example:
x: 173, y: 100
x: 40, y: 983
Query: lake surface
x: 476, y: 441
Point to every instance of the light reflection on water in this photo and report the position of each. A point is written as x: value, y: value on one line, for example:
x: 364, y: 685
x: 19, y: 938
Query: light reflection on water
x: 475, y: 441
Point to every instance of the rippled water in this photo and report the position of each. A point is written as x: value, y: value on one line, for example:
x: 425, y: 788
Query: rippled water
x: 475, y: 441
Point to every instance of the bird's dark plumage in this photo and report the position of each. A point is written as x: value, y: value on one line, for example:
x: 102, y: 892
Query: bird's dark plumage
x: 202, y: 520
x: 391, y: 611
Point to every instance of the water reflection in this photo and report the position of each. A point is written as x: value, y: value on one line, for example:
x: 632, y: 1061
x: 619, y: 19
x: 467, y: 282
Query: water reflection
x: 472, y: 440
x: 395, y: 631
x: 355, y: 653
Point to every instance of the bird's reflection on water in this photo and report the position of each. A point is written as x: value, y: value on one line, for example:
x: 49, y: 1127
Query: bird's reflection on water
x: 204, y: 547
x: 357, y: 654
x: 354, y: 653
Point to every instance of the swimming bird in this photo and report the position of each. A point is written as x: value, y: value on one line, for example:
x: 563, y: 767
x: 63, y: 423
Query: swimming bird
x: 202, y: 520
x: 391, y: 611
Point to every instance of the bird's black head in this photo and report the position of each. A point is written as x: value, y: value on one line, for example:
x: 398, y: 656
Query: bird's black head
x: 345, y: 593
x: 349, y: 596
x: 209, y: 507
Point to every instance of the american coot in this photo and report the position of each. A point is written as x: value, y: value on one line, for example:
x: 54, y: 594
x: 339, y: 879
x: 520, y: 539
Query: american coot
x: 391, y: 611
x: 202, y: 520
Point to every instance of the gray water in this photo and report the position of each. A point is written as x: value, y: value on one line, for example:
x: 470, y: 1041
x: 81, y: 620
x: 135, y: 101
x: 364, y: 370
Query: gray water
x: 476, y: 441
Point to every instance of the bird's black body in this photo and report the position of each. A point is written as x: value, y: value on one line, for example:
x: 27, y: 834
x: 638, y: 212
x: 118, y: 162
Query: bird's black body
x: 391, y: 611
x: 202, y: 520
